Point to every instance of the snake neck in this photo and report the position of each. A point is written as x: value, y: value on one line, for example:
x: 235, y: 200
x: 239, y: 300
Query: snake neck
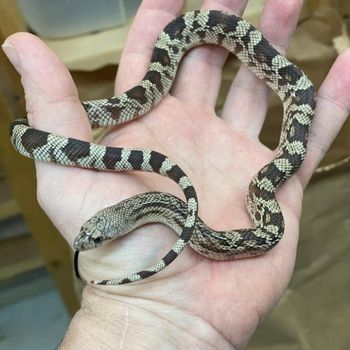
x: 164, y: 208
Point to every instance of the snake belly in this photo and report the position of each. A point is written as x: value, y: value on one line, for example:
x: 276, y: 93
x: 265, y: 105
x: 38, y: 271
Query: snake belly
x: 185, y: 32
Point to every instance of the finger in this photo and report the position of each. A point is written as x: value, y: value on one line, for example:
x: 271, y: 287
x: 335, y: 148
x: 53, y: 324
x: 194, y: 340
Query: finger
x: 332, y: 109
x: 52, y: 100
x: 51, y: 97
x: 150, y: 20
x: 248, y: 98
x: 199, y: 77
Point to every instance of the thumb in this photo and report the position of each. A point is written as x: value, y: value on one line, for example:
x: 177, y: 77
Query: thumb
x: 52, y: 100
x: 52, y: 104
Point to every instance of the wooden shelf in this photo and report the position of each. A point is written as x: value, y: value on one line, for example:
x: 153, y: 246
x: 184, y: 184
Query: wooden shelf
x: 9, y: 209
x: 8, y: 205
x: 94, y: 51
x: 20, y: 267
x: 18, y: 254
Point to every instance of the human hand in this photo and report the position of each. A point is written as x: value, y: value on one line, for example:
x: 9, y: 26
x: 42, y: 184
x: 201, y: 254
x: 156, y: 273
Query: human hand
x: 202, y: 301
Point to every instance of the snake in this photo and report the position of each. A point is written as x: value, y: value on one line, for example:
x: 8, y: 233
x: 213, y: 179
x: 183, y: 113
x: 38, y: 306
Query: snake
x: 191, y: 29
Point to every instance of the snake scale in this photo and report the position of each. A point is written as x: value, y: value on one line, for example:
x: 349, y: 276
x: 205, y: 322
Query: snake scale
x: 185, y: 32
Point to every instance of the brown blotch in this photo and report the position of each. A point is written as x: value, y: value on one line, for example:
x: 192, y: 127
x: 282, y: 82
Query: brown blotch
x: 138, y: 93
x: 76, y: 149
x: 156, y: 79
x: 136, y: 159
x: 32, y: 139
x: 161, y: 56
x: 171, y: 256
x: 111, y: 157
x: 156, y: 161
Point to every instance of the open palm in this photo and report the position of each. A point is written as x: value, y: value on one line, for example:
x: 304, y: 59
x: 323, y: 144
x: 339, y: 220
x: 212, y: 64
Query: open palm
x: 219, y: 154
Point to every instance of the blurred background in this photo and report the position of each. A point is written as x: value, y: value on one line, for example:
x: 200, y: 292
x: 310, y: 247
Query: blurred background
x: 35, y: 262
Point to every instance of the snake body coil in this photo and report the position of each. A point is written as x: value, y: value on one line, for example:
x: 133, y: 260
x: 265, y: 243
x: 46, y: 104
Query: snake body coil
x: 185, y: 32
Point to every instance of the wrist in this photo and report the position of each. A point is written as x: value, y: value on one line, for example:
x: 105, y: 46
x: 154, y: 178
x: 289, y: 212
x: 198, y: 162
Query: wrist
x: 110, y: 321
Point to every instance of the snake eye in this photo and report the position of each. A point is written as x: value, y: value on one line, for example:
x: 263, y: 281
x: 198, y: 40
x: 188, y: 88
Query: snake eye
x: 98, y: 240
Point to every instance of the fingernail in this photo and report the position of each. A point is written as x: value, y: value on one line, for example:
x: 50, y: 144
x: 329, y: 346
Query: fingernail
x: 12, y: 55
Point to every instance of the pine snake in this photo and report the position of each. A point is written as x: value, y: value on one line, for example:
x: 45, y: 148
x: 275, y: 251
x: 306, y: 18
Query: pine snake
x: 185, y: 32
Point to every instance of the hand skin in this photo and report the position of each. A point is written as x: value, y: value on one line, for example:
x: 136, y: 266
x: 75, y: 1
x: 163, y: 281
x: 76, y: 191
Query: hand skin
x: 196, y: 303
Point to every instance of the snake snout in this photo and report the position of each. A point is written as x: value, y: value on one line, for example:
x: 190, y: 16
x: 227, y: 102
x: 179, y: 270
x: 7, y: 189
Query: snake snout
x: 83, y: 242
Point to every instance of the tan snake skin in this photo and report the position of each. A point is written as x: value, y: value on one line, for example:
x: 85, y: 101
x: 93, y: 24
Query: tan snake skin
x: 185, y: 32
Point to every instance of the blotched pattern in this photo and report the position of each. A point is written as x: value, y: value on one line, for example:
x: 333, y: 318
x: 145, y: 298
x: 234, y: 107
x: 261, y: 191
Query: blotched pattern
x: 185, y: 32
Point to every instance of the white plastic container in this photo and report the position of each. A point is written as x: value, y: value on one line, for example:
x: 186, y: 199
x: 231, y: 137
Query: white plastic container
x: 66, y: 18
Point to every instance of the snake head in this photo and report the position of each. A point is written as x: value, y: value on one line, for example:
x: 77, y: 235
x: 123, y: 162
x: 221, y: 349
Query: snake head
x: 92, y: 234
